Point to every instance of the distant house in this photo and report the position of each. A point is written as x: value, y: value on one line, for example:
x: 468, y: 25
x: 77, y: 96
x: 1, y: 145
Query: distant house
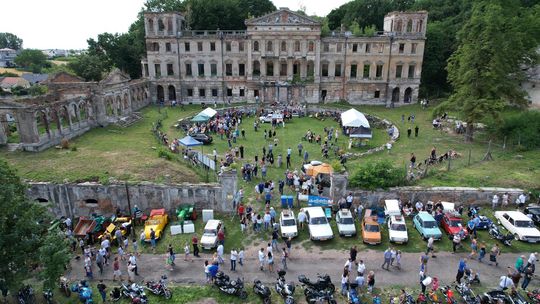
x: 7, y: 58
x: 7, y: 83
x: 52, y: 53
x: 35, y: 78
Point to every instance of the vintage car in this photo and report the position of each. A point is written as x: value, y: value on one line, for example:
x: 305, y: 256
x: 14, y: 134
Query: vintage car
x: 287, y: 224
x: 202, y: 137
x: 345, y: 223
x: 371, y: 230
x: 520, y: 225
x: 319, y: 228
x: 451, y: 222
x: 157, y: 221
x: 209, y: 237
x: 533, y: 212
x: 427, y: 226
x: 271, y: 116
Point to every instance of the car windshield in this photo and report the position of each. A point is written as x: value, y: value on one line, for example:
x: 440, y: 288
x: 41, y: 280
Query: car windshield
x: 430, y: 224
x: 346, y: 220
x: 288, y: 222
x: 372, y: 228
x: 524, y: 224
x: 318, y: 221
x: 398, y: 227
x: 534, y: 211
x: 455, y: 223
x: 210, y: 231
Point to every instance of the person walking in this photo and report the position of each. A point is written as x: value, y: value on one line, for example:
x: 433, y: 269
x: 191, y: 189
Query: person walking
x: 461, y: 270
x: 195, y: 244
x: 300, y: 148
x: 131, y: 272
x: 387, y: 259
x: 344, y: 281
x: 353, y: 252
x: 116, y: 270
x: 288, y: 243
x: 430, y: 247
x: 416, y: 131
x: 234, y: 257
x: 187, y: 253
x: 482, y: 253
x: 398, y: 260
x: 520, y: 267
x: 99, y: 263
x: 270, y: 261
x: 275, y: 236
x: 527, y: 276
x: 371, y: 281
x: 284, y: 257
x: 393, y: 258
x: 133, y: 262
x: 101, y: 289
x: 495, y: 201
x: 474, y: 248
x: 495, y: 251
x: 262, y: 257
x: 306, y: 157
x: 219, y: 252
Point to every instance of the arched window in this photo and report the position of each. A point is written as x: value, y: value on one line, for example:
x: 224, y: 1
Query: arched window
x: 283, y: 46
x: 409, y: 26
x: 256, y: 46
x: 310, y: 69
x: 408, y: 95
x: 399, y: 26
x: 169, y: 25
x: 419, y: 26
x: 311, y: 46
x: 395, y: 95
x: 161, y: 25
x: 269, y: 46
x: 256, y: 68
x: 160, y: 94
x: 172, y: 93
x: 150, y: 25
x: 297, y: 46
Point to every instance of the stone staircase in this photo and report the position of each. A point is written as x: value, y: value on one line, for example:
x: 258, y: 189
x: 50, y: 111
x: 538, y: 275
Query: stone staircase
x: 127, y: 121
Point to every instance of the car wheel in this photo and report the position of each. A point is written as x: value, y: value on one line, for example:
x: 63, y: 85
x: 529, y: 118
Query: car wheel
x: 516, y: 237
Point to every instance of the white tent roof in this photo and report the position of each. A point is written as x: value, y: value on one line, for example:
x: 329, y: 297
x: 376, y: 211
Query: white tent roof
x: 209, y: 112
x: 353, y: 118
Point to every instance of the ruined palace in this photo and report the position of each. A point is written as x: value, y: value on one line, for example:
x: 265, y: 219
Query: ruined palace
x: 282, y: 56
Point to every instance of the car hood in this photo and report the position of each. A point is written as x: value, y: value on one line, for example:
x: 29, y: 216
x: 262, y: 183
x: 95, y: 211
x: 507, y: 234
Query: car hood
x: 398, y: 234
x: 208, y: 239
x: 346, y: 227
x: 321, y: 230
x: 432, y: 231
x: 289, y: 229
x: 529, y: 231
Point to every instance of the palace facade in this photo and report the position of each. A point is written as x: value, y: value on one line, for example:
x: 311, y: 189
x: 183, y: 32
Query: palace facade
x: 283, y: 57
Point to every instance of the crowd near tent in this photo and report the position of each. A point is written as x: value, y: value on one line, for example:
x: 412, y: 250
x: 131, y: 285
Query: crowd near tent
x: 204, y: 115
x: 209, y: 112
x: 356, y: 124
x: 189, y: 141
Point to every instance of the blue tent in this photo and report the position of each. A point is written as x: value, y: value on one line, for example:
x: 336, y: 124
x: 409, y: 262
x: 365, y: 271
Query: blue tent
x: 189, y: 141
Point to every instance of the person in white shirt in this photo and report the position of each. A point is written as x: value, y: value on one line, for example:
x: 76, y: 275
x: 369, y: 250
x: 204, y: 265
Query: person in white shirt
x: 532, y: 259
x: 234, y: 256
x: 219, y: 251
x: 270, y: 249
x: 262, y: 257
x: 495, y: 201
x: 419, y: 206
x: 301, y: 218
x: 506, y: 282
x: 361, y: 268
x: 505, y: 199
x: 348, y: 265
x: 522, y: 198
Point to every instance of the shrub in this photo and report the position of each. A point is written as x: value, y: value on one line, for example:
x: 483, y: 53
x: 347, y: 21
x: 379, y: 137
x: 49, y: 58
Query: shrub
x: 378, y: 175
x: 163, y: 153
x: 337, y: 166
x: 520, y: 128
x: 64, y: 143
x: 74, y: 148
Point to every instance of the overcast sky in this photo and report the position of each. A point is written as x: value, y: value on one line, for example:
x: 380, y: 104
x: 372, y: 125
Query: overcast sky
x: 66, y: 24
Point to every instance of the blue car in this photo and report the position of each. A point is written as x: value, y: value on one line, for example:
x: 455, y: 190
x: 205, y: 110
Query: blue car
x: 427, y: 226
x: 485, y: 222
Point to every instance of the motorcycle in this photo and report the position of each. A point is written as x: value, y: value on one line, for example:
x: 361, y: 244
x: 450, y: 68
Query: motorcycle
x: 115, y: 294
x: 534, y: 295
x: 471, y: 277
x: 134, y: 292
x: 159, y: 288
x: 318, y: 296
x: 421, y: 299
x: 495, y: 297
x: 323, y: 283
x: 448, y: 294
x: 48, y: 296
x: 496, y: 233
x: 262, y: 291
x: 235, y: 287
x: 352, y: 294
x: 26, y: 295
x: 64, y: 286
x: 517, y: 297
x: 467, y: 294
x: 286, y: 291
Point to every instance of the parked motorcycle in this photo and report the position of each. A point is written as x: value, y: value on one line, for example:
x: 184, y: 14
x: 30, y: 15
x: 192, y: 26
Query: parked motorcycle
x: 48, y: 296
x: 496, y: 233
x: 318, y: 296
x: 534, y: 295
x: 517, y: 297
x: 284, y: 289
x: 64, y: 286
x: 448, y: 295
x: 467, y: 294
x: 135, y: 292
x: 323, y: 283
x: 159, y: 288
x: 26, y: 295
x: 235, y: 287
x: 352, y: 294
x: 262, y: 291
x: 495, y: 297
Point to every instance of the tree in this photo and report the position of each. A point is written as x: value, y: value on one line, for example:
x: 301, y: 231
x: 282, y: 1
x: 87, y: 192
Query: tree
x: 90, y: 67
x: 54, y: 255
x: 486, y: 69
x: 10, y: 41
x: 377, y: 175
x: 32, y: 59
x: 20, y: 228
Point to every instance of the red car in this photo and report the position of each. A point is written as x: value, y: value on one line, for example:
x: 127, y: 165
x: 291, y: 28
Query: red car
x: 452, y: 224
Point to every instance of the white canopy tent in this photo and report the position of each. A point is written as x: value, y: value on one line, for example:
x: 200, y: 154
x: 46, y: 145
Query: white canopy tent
x: 209, y: 112
x: 356, y: 123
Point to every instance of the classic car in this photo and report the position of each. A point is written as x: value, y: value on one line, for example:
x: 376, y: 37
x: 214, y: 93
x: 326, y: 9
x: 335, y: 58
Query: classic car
x: 533, y: 212
x: 371, y: 230
x: 345, y: 223
x: 397, y: 229
x: 157, y: 221
x: 427, y: 226
x: 287, y: 224
x: 209, y: 237
x: 520, y: 225
x: 319, y: 228
x: 204, y: 138
x: 452, y: 225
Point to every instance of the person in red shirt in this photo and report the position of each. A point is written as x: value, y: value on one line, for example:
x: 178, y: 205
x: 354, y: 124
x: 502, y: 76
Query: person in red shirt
x: 195, y: 243
x: 241, y: 210
x: 221, y: 237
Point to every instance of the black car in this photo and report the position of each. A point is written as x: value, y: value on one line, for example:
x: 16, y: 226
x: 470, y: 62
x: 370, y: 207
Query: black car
x: 533, y: 211
x: 205, y: 139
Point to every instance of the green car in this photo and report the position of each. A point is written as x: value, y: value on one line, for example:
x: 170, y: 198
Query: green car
x: 427, y: 226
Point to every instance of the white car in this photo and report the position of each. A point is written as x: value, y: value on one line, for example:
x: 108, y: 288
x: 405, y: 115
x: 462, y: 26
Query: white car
x: 397, y: 229
x: 287, y: 224
x: 520, y: 225
x: 319, y: 228
x: 209, y: 237
x: 269, y: 117
x: 345, y: 223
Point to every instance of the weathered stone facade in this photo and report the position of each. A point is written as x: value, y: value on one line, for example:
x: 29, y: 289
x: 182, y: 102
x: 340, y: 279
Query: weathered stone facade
x: 71, y: 108
x: 283, y: 57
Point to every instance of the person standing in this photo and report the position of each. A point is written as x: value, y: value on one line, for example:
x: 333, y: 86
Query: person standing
x: 101, y: 288
x: 520, y: 264
x: 195, y: 244
x: 99, y: 262
x: 288, y: 243
x: 306, y: 157
x: 133, y: 262
x: 527, y: 276
x: 371, y: 281
x: 234, y: 257
x: 409, y: 131
x: 241, y: 149
x: 288, y: 160
x: 456, y: 241
x: 241, y: 257
x: 284, y: 257
x: 262, y: 257
x: 387, y: 259
x: 131, y: 272
x: 495, y: 251
x: 482, y: 253
x: 353, y: 252
x: 275, y: 236
x: 495, y: 201
x: 474, y: 248
x: 416, y: 131
x: 270, y: 261
x: 116, y: 270
x: 153, y: 240
x: 413, y: 160
x: 300, y: 148
x: 461, y: 270
x: 219, y: 252
x: 430, y: 247
x: 361, y: 269
x: 187, y: 254
x: 344, y: 281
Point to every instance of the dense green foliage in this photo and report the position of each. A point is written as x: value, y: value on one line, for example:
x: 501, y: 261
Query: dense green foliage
x: 486, y: 70
x: 89, y: 67
x: 519, y: 128
x: 31, y: 59
x: 54, y: 254
x: 377, y: 175
x: 11, y: 41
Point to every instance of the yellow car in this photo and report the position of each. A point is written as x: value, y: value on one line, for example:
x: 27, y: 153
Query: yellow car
x: 371, y: 231
x: 158, y: 220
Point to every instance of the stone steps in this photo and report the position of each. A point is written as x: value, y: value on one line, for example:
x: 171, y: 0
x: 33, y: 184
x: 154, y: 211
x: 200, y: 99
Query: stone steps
x: 127, y: 121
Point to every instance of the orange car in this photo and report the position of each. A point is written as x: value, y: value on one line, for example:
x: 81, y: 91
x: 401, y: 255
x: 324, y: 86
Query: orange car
x: 371, y: 230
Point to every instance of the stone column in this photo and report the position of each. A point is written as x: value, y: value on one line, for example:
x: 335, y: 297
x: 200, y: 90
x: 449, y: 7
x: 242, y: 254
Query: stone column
x: 338, y: 185
x: 3, y: 136
x: 229, y: 183
x: 27, y: 127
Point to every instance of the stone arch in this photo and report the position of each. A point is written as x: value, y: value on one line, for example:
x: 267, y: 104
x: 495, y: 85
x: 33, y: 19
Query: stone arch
x: 160, y: 94
x: 150, y: 25
x: 407, y: 98
x: 42, y: 123
x: 65, y: 120
x: 118, y: 106
x: 125, y: 106
x: 296, y: 68
x: 310, y: 68
x: 55, y: 116
x: 256, y: 68
x: 399, y: 26
x: 409, y: 26
x: 83, y: 114
x: 74, y: 114
x: 109, y: 106
x: 395, y: 94
x: 269, y: 46
x: 161, y: 25
x: 256, y: 46
x: 420, y: 26
x: 169, y: 25
x: 171, y: 90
